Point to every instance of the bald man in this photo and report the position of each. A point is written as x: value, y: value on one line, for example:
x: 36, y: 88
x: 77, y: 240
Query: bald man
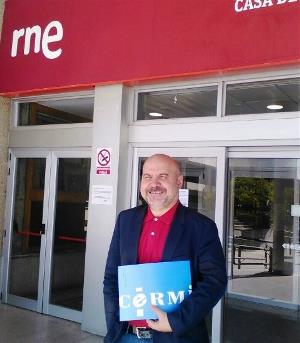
x: 162, y: 231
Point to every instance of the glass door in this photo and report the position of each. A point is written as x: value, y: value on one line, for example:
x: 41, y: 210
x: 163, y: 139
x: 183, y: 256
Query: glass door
x: 46, y: 226
x: 65, y: 257
x: 203, y: 190
x: 263, y: 250
x: 27, y: 200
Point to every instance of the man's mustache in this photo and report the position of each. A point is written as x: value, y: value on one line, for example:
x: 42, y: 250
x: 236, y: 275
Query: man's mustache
x: 156, y: 189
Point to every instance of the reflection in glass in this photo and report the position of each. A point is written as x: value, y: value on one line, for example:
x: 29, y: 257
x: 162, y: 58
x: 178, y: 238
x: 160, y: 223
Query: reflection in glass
x: 263, y: 97
x: 200, y: 183
x: 70, y: 232
x: 56, y: 112
x: 263, y: 251
x: 178, y: 103
x: 27, y: 222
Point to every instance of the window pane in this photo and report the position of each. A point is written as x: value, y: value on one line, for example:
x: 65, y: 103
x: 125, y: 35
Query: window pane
x: 56, y: 112
x: 27, y: 223
x: 263, y: 251
x: 179, y: 103
x: 70, y: 232
x: 263, y: 97
x: 199, y: 184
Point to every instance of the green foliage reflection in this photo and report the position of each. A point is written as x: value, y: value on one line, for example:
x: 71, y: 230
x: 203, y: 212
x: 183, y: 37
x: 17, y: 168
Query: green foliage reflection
x: 253, y: 199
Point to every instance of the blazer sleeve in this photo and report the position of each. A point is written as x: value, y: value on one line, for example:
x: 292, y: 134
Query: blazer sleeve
x: 209, y: 284
x: 110, y: 283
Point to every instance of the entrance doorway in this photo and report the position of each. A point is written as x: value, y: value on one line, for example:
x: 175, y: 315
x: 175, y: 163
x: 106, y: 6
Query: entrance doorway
x: 46, y: 216
x: 203, y: 190
x: 263, y: 250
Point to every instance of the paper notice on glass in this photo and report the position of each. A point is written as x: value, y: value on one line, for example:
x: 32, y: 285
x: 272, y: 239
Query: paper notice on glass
x: 295, y: 210
x: 102, y: 195
x: 184, y: 197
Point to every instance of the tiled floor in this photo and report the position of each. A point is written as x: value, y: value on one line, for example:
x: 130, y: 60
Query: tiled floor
x: 23, y: 326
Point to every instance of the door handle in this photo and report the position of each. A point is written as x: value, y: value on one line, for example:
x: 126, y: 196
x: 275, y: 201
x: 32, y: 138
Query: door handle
x: 42, y: 229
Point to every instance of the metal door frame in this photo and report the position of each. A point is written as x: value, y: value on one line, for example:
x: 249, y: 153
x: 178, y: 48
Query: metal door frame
x: 289, y: 152
x: 14, y: 154
x: 55, y: 310
x: 40, y: 305
x: 221, y: 156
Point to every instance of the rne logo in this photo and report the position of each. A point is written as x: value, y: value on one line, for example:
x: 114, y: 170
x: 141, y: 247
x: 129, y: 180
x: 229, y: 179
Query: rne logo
x: 52, y: 33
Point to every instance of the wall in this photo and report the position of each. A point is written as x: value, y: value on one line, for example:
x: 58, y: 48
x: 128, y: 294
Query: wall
x: 4, y: 125
x: 109, y: 131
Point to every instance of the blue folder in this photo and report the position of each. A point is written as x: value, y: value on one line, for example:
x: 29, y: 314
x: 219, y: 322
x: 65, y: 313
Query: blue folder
x: 164, y: 284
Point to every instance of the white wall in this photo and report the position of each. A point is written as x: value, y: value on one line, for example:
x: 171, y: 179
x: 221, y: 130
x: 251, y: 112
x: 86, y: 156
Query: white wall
x: 109, y: 131
x: 240, y: 131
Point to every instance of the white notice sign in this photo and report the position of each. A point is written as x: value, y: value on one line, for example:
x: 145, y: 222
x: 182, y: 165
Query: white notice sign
x: 295, y: 210
x: 184, y: 197
x: 102, y: 195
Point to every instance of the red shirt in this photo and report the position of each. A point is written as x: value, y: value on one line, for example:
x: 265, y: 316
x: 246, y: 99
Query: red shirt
x: 152, y: 242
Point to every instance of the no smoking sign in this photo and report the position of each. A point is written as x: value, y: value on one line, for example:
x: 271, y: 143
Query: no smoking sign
x: 103, y: 161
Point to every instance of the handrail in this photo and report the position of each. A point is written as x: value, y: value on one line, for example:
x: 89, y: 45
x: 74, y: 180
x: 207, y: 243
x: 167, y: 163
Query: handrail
x: 28, y: 233
x: 253, y: 239
x: 64, y: 238
x: 72, y: 239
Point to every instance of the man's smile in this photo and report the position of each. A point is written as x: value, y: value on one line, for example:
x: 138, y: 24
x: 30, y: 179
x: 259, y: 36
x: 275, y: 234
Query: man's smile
x: 156, y: 191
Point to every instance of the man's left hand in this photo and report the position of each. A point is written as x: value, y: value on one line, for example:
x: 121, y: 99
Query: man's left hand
x: 162, y: 323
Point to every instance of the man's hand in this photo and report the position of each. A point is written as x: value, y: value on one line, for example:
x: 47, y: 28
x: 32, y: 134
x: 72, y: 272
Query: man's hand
x: 162, y: 323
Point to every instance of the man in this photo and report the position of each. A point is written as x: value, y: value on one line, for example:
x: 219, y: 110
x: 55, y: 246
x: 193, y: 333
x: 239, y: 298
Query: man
x: 160, y: 232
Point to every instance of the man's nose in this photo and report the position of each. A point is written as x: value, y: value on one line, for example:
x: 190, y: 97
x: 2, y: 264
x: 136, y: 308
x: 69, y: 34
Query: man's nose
x: 155, y: 182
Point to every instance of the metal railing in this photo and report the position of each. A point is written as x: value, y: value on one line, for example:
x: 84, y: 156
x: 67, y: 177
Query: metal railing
x: 239, y: 249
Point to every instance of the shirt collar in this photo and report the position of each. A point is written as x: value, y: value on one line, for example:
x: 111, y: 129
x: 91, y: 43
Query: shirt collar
x: 166, y: 218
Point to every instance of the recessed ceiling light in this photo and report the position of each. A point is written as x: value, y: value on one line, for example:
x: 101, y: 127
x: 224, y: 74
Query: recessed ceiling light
x: 155, y: 114
x: 274, y: 107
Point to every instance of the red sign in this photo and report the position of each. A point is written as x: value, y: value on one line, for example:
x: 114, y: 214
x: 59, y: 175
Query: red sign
x: 103, y: 162
x: 68, y: 44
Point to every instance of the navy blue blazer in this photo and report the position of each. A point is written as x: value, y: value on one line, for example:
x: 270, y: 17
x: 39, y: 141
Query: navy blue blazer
x: 192, y: 237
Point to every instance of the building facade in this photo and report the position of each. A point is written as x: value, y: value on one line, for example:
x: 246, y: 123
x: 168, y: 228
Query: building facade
x: 91, y: 98
x: 4, y: 128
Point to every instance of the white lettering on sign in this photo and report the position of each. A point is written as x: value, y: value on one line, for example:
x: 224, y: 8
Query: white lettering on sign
x: 246, y: 5
x: 34, y: 33
x: 139, y: 300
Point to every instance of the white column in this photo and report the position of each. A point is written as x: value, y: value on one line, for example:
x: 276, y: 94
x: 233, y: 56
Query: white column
x: 109, y: 131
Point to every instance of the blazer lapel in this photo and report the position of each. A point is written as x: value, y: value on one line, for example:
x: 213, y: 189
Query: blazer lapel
x: 175, y: 234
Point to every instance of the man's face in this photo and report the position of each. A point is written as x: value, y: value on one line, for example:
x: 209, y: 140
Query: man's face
x: 161, y: 181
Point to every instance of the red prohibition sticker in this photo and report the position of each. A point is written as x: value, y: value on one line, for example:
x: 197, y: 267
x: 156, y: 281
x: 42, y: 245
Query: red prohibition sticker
x: 103, y: 161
